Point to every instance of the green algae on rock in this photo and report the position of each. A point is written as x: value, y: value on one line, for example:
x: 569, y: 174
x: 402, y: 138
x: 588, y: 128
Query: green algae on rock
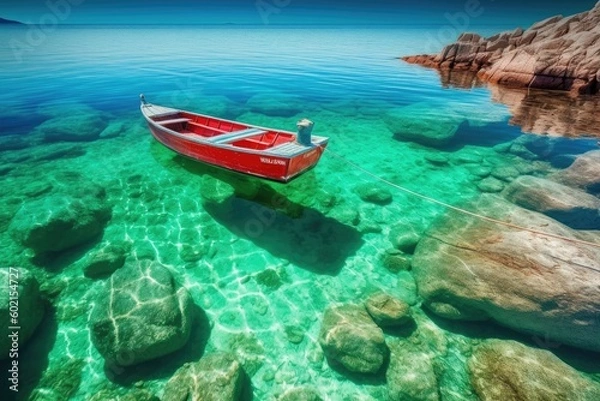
x: 349, y: 337
x: 511, y: 371
x: 141, y: 314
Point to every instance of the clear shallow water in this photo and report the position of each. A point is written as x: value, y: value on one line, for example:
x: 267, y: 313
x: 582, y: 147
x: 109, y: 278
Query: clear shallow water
x: 323, y: 245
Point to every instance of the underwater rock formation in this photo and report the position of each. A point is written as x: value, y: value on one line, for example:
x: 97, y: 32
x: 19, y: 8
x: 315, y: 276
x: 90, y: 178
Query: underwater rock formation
x: 467, y: 268
x: 215, y: 377
x: 572, y: 207
x: 30, y: 306
x: 388, y: 311
x: 583, y: 173
x: 141, y: 314
x: 59, y: 222
x: 350, y: 338
x: 417, y: 123
x: 73, y: 128
x: 300, y: 394
x: 104, y: 261
x: 411, y: 376
x: 376, y: 194
x: 508, y: 370
x: 557, y: 53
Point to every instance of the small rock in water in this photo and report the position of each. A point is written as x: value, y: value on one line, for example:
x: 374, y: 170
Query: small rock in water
x: 480, y: 171
x: 388, y: 311
x: 300, y: 394
x: 349, y: 337
x: 294, y: 334
x: 505, y: 173
x: 437, y: 159
x: 490, y: 185
x: 374, y: 193
x: 105, y: 261
x: 411, y: 376
x: 404, y: 237
x: 395, y: 260
x: 215, y: 377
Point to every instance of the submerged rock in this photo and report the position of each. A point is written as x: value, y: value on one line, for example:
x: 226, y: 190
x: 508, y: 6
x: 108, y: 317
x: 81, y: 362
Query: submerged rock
x: 73, y: 128
x: 349, y: 337
x: 490, y: 185
x: 20, y: 294
x: 141, y: 314
x: 275, y: 105
x: 418, y: 124
x: 61, y: 381
x: 300, y: 394
x: 215, y: 377
x: 583, y: 173
x: 577, y: 209
x: 404, y: 237
x: 59, y: 222
x: 13, y: 142
x: 470, y: 269
x: 411, y: 376
x: 388, y: 311
x: 507, y: 370
x: 104, y: 261
x: 559, y: 53
x: 372, y: 193
x: 396, y: 261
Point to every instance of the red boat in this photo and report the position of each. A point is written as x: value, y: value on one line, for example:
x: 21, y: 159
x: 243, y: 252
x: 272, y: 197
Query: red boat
x: 248, y: 149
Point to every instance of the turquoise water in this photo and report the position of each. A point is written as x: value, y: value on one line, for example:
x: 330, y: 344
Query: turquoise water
x: 264, y: 260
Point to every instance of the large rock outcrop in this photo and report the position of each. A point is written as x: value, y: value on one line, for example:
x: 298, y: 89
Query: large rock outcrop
x: 141, y: 314
x: 510, y: 371
x: 467, y: 268
x: 350, y: 338
x: 557, y: 53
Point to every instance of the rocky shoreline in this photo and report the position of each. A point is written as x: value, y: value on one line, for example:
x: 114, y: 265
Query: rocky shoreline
x: 558, y: 53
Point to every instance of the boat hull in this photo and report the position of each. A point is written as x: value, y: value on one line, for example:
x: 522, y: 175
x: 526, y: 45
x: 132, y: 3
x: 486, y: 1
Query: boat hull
x: 264, y: 165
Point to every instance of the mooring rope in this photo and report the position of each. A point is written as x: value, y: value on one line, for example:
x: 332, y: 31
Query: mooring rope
x: 461, y: 210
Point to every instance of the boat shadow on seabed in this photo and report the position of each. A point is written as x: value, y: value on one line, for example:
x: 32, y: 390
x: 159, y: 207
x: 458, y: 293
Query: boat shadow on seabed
x: 252, y: 209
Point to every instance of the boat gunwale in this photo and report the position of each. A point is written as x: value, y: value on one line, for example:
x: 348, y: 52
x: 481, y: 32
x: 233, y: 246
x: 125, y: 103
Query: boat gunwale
x: 321, y: 140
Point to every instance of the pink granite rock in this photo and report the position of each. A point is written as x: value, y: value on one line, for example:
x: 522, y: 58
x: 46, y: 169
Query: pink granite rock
x: 559, y: 53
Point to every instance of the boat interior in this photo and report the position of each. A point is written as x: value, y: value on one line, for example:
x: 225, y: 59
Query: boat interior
x: 224, y: 132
